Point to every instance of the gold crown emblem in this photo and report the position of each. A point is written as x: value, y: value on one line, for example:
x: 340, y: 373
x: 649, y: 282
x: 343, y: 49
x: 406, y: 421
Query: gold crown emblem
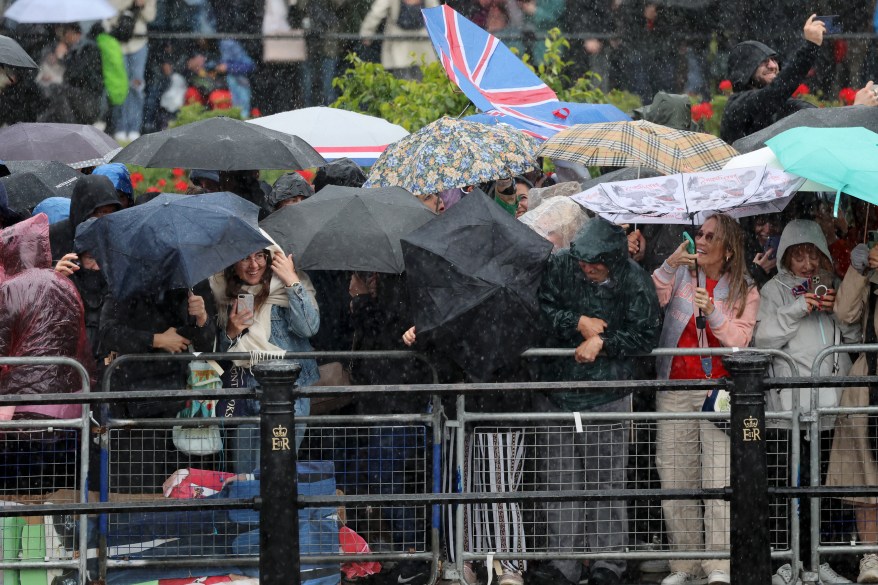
x: 279, y: 431
x: 750, y: 423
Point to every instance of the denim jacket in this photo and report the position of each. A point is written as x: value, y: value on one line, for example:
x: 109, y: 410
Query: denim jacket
x: 290, y: 329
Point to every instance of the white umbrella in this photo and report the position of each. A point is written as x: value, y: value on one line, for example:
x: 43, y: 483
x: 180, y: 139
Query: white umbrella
x: 764, y: 156
x: 692, y: 197
x: 59, y: 11
x: 336, y: 133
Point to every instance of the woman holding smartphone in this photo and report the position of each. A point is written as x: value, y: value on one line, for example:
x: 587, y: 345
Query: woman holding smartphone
x: 283, y: 317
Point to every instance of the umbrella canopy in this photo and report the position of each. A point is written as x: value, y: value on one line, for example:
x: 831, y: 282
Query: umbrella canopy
x: 173, y: 241
x: 765, y: 157
x: 629, y: 174
x: 26, y: 189
x: 12, y: 55
x: 76, y: 145
x: 60, y: 176
x: 336, y: 133
x: 473, y: 275
x: 498, y: 82
x: 692, y: 197
x: 640, y: 143
x: 567, y: 112
x: 845, y: 159
x: 222, y: 144
x: 345, y: 228
x: 451, y: 153
x: 846, y: 117
x: 59, y: 11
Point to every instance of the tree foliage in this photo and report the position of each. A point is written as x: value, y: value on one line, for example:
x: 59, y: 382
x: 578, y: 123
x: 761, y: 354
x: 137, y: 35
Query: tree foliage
x: 371, y: 89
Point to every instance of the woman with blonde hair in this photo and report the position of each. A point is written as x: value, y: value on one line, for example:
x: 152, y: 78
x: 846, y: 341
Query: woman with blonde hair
x: 710, y: 301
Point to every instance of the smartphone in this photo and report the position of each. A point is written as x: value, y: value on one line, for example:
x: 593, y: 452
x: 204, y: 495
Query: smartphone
x: 773, y: 243
x: 691, y: 247
x: 245, y: 301
x: 832, y: 22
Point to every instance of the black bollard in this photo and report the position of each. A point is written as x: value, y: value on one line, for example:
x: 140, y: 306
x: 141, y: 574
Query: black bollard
x: 750, y: 543
x: 278, y: 518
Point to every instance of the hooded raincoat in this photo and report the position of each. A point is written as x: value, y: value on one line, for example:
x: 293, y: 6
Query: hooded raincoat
x: 89, y: 193
x: 785, y: 323
x: 751, y: 109
x: 42, y: 316
x: 626, y: 301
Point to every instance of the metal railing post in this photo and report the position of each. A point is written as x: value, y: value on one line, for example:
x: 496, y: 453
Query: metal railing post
x: 278, y: 514
x: 750, y: 543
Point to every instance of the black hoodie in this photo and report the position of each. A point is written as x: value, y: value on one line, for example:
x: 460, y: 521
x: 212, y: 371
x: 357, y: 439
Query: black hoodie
x: 751, y: 109
x: 89, y: 193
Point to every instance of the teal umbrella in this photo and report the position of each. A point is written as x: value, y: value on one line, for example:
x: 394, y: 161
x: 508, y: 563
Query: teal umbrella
x: 845, y: 159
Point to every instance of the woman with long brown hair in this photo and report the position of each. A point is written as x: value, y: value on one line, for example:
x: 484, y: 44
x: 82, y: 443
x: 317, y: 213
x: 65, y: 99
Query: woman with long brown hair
x: 711, y: 289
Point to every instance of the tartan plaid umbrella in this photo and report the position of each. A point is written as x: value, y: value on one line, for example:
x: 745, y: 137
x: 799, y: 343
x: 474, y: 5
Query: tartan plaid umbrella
x: 452, y: 153
x: 640, y: 143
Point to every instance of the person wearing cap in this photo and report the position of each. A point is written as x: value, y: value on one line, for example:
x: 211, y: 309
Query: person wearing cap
x: 121, y: 178
x: 289, y: 189
x: 207, y: 180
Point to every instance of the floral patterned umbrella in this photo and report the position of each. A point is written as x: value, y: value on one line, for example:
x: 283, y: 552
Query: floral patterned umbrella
x: 452, y: 153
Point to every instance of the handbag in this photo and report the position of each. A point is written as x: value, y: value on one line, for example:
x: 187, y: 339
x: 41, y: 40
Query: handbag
x: 123, y: 30
x: 201, y: 440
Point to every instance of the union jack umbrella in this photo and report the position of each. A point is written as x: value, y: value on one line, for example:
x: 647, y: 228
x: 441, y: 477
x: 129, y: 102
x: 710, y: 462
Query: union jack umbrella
x: 640, y: 143
x: 499, y: 83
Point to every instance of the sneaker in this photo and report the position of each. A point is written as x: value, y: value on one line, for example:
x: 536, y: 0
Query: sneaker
x: 718, y: 578
x: 469, y: 574
x: 682, y: 578
x: 511, y: 578
x: 785, y: 576
x: 405, y: 573
x: 828, y: 575
x: 868, y: 569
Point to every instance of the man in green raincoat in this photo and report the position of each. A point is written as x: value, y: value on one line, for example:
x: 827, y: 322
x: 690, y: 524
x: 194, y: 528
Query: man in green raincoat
x: 599, y: 301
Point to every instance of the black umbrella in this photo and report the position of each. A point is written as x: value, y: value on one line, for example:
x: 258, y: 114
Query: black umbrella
x: 27, y: 189
x: 473, y: 275
x: 222, y: 144
x: 626, y: 174
x: 56, y: 174
x: 77, y: 145
x: 174, y: 241
x: 346, y: 228
x: 844, y: 117
x: 12, y: 55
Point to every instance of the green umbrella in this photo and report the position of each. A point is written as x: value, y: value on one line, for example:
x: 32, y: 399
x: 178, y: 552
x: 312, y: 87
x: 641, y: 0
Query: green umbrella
x: 845, y: 159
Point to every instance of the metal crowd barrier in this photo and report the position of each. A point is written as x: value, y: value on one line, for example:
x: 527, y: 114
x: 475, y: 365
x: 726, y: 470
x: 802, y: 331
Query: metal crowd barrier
x: 748, y: 405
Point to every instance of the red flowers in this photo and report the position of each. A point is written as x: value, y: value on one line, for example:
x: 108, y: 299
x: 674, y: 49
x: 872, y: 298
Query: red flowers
x: 702, y: 111
x: 801, y: 90
x: 725, y: 86
x: 153, y: 190
x: 181, y: 185
x: 161, y: 182
x: 177, y: 172
x: 847, y: 96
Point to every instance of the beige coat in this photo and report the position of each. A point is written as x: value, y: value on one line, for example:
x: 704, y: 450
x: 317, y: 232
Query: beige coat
x: 397, y: 54
x: 851, y: 461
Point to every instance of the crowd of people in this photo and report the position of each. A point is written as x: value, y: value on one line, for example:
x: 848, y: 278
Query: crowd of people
x: 797, y: 281
x: 136, y: 83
